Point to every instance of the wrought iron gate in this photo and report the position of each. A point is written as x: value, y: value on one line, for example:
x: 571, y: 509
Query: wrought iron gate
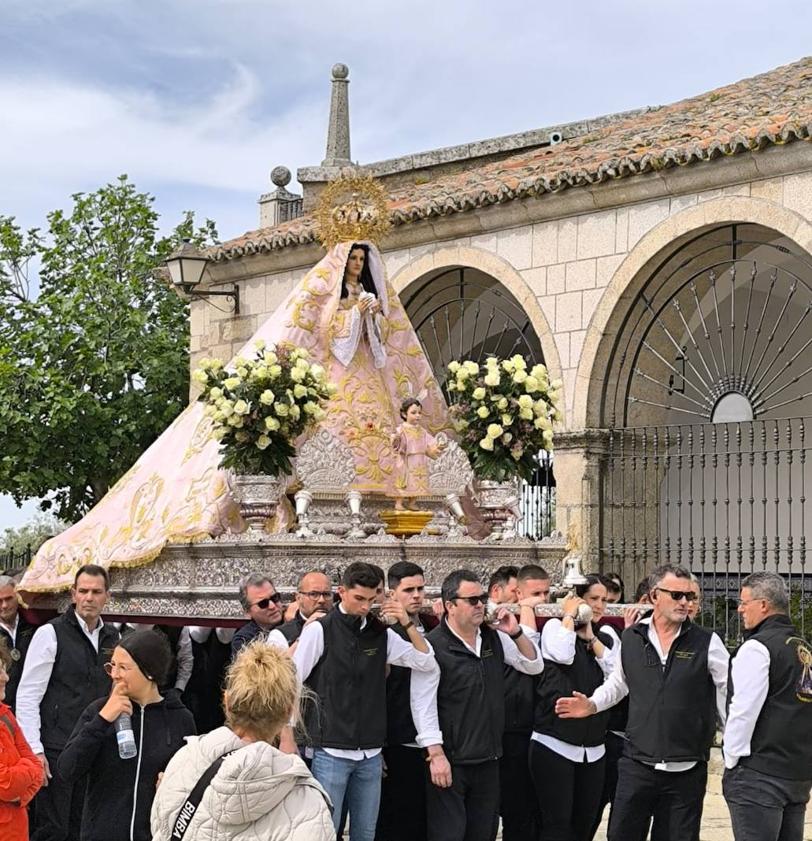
x: 707, y: 402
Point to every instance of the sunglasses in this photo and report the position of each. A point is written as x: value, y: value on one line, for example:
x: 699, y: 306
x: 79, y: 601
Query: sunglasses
x: 264, y: 604
x: 472, y: 600
x: 678, y: 595
x: 317, y: 594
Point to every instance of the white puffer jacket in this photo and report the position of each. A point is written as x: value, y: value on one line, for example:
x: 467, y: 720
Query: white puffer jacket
x: 258, y: 794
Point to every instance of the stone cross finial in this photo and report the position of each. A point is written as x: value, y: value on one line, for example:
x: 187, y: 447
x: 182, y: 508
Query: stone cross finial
x: 338, y: 132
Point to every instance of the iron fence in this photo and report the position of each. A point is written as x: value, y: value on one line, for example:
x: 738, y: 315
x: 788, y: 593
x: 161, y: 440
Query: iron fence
x: 723, y: 499
x: 14, y: 561
x: 537, y: 500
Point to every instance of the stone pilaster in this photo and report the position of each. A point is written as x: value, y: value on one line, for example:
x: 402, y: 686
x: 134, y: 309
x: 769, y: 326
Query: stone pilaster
x: 338, y: 132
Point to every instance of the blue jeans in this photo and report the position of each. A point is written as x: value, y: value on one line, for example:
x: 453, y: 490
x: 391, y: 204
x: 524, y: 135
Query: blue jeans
x: 359, y: 780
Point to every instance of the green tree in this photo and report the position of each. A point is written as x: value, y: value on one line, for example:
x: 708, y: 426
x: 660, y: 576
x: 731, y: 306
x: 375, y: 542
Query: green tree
x: 95, y: 366
x: 32, y: 533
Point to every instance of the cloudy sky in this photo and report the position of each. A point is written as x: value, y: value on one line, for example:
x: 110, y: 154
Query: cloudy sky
x: 196, y: 100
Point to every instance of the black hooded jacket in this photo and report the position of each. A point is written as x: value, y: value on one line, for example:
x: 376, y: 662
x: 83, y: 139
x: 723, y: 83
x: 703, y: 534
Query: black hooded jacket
x: 120, y: 791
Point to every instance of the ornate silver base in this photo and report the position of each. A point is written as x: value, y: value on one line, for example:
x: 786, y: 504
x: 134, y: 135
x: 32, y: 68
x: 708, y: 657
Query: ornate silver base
x: 257, y: 497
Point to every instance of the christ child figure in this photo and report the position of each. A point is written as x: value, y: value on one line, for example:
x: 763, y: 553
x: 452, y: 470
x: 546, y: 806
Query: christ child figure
x: 413, y: 446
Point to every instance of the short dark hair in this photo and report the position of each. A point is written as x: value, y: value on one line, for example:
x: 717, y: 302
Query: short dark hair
x: 591, y: 580
x: 360, y: 574
x: 532, y: 572
x: 642, y: 590
x: 253, y: 579
x: 400, y: 570
x: 610, y: 584
x: 502, y: 576
x: 407, y: 404
x: 617, y: 582
x: 451, y: 583
x: 380, y: 573
x: 96, y: 571
x: 660, y: 572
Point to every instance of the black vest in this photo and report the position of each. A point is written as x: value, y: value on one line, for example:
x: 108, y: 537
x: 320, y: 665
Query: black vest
x: 292, y: 630
x: 400, y: 729
x: 559, y: 680
x: 15, y: 671
x: 77, y: 678
x: 350, y: 682
x: 781, y: 745
x: 471, y: 695
x: 672, y: 710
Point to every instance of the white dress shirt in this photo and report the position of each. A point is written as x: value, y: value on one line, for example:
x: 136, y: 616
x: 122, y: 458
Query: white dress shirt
x: 425, y: 684
x: 11, y: 630
x: 615, y: 688
x: 399, y: 652
x: 750, y: 671
x: 558, y: 645
x: 39, y: 663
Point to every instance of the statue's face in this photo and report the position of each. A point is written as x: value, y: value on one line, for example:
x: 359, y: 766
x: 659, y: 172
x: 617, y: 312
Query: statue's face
x: 355, y: 263
x: 413, y: 414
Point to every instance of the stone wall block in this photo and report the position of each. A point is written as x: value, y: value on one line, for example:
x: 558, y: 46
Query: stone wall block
x: 516, y: 246
x: 580, y: 275
x: 567, y: 240
x: 252, y: 296
x: 798, y: 193
x: 536, y: 279
x: 772, y: 189
x: 545, y: 243
x: 556, y: 279
x: 606, y: 268
x: 643, y: 217
x: 681, y: 202
x: 576, y: 346
x: 596, y: 234
x: 568, y: 312
x: 589, y: 305
x: 622, y: 231
x: 487, y: 242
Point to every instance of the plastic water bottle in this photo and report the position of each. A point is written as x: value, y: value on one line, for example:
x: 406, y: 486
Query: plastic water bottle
x: 125, y: 737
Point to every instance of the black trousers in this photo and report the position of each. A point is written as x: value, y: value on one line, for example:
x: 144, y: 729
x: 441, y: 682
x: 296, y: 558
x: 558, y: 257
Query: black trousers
x: 402, y: 815
x: 765, y: 808
x: 469, y: 809
x: 674, y: 800
x: 614, y: 750
x: 518, y: 805
x: 58, y: 807
x: 568, y: 793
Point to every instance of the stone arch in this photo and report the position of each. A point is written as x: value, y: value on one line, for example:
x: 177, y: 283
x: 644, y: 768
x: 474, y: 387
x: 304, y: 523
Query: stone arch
x: 500, y: 270
x: 633, y: 273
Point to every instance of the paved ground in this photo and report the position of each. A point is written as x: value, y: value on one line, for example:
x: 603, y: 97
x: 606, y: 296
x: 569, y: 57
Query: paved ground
x: 715, y: 817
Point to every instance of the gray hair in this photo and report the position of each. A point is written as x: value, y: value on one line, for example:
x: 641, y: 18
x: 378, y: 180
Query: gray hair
x: 253, y: 579
x: 7, y: 581
x: 770, y: 587
x: 660, y: 572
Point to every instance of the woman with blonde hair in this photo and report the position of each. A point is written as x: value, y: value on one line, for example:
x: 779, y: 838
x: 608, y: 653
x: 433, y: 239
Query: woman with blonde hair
x: 232, y: 784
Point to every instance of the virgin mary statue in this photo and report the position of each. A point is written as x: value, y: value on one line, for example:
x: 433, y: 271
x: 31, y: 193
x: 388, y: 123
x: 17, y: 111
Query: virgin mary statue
x: 349, y: 318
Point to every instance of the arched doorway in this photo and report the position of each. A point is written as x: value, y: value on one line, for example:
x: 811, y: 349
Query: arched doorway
x: 707, y: 400
x: 460, y: 312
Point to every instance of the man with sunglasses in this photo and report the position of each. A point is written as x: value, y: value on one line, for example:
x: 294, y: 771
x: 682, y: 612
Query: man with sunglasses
x: 261, y: 604
x: 768, y: 734
x: 462, y: 726
x: 314, y: 597
x: 675, y: 674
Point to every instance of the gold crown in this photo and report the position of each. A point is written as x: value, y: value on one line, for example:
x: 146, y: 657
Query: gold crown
x: 350, y: 209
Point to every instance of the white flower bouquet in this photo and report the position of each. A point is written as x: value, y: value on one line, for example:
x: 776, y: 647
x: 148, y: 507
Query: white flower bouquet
x: 260, y: 406
x: 504, y: 414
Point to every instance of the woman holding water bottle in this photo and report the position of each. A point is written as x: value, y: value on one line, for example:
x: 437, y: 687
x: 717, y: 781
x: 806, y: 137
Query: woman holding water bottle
x: 123, y: 758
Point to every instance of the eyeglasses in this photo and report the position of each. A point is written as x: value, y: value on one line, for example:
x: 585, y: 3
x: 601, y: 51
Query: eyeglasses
x: 317, y: 594
x: 743, y: 603
x: 678, y: 595
x: 472, y: 600
x: 114, y: 667
x: 264, y: 604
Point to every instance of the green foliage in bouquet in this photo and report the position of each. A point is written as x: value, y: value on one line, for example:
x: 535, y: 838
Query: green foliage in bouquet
x: 504, y: 414
x: 260, y: 406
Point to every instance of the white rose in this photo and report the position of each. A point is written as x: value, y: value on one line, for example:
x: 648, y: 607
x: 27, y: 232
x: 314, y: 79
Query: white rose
x: 282, y: 410
x: 297, y: 374
x: 274, y: 371
x: 259, y: 344
x: 299, y: 390
x: 215, y: 393
x: 483, y: 411
x: 491, y: 362
x: 263, y: 442
x: 242, y: 408
x: 526, y: 413
x: 316, y: 371
x: 486, y: 444
x: 507, y: 420
x: 539, y: 372
x: 267, y: 397
x: 502, y: 404
x: 471, y: 367
x: 302, y: 364
x: 518, y: 362
x: 547, y: 436
x: 200, y: 376
x: 242, y: 372
x: 232, y: 382
x: 519, y: 377
x: 531, y: 384
x: 271, y: 424
x: 310, y: 408
x: 508, y: 365
x: 507, y: 437
x: 525, y: 401
x: 236, y: 421
x: 295, y: 412
x: 492, y: 378
x: 494, y: 430
x: 227, y: 408
x: 453, y: 367
x: 270, y: 357
x: 479, y: 393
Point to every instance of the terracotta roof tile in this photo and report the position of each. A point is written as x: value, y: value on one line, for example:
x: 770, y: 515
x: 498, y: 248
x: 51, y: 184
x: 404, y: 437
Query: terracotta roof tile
x: 771, y: 109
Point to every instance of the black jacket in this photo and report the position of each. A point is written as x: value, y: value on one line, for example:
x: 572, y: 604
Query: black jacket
x: 248, y: 633
x: 25, y: 630
x: 110, y: 812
